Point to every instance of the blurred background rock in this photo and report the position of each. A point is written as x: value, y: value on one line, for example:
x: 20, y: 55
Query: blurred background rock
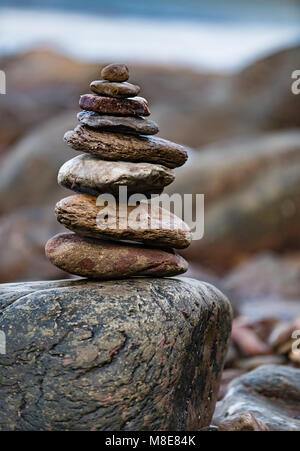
x: 218, y: 78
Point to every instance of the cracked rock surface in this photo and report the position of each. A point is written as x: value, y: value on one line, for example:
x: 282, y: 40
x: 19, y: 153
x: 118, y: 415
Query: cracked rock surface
x: 142, y: 354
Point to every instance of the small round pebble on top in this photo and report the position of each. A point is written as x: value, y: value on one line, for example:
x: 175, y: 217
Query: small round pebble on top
x: 115, y: 72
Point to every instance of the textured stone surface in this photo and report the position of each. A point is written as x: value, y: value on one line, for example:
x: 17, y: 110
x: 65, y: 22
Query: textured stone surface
x: 115, y: 72
x: 80, y: 214
x: 106, y: 260
x: 115, y: 146
x: 111, y: 89
x: 142, y: 354
x: 87, y: 174
x: 118, y: 124
x: 271, y: 393
x: 136, y: 106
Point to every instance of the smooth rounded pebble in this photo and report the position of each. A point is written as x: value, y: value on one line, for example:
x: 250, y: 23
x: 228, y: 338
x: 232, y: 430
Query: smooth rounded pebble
x: 115, y: 72
x: 136, y: 106
x: 154, y: 225
x: 90, y: 175
x: 114, y: 89
x: 126, y: 147
x: 109, y: 260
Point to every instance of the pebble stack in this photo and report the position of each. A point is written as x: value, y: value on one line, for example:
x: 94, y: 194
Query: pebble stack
x: 116, y: 136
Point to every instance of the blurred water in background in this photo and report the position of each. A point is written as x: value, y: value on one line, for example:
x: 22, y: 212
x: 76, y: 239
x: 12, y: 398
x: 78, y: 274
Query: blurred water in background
x: 221, y: 35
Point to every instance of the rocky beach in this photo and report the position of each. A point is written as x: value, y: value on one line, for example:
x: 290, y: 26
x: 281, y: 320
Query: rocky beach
x: 241, y: 134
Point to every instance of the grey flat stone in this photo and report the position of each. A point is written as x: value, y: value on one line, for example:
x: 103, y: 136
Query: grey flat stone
x: 135, y: 125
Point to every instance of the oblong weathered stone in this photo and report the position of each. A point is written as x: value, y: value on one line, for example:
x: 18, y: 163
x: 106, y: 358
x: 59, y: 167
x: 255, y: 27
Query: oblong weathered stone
x: 90, y: 175
x: 116, y: 146
x: 118, y: 124
x: 154, y: 225
x: 108, y: 260
x: 136, y: 106
x: 114, y: 89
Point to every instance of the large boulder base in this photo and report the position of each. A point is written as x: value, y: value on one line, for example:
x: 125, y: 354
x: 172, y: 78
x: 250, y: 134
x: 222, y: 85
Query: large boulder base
x: 137, y: 354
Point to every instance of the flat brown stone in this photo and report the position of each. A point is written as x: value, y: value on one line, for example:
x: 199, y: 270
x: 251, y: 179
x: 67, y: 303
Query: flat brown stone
x: 125, y: 147
x: 90, y: 175
x: 156, y: 226
x: 114, y: 89
x: 136, y: 106
x: 107, y: 260
x: 115, y: 72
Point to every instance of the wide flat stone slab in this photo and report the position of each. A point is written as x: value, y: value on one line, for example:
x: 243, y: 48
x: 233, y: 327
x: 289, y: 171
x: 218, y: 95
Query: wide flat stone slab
x: 136, y: 354
x: 117, y: 124
x: 117, y: 146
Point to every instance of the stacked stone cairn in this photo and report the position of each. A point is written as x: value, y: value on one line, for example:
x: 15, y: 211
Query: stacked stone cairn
x: 119, y: 151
